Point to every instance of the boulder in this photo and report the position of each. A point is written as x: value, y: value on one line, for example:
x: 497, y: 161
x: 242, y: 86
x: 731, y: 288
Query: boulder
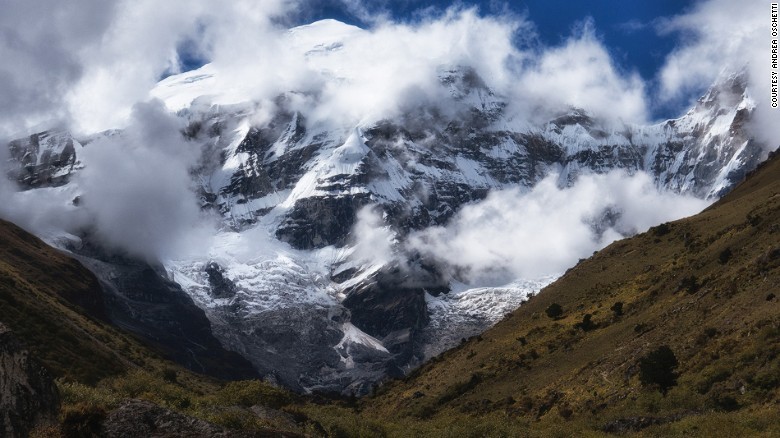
x: 28, y: 394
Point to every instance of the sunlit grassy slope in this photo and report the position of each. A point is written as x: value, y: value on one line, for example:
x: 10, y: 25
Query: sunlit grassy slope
x: 706, y: 286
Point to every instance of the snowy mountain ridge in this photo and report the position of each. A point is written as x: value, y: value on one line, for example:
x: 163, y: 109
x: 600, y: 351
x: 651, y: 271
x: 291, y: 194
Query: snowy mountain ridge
x: 283, y: 283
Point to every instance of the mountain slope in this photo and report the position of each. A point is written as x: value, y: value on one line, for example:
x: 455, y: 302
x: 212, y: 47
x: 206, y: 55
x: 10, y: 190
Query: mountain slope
x: 304, y: 182
x: 56, y: 309
x: 43, y: 292
x: 282, y: 282
x: 707, y: 287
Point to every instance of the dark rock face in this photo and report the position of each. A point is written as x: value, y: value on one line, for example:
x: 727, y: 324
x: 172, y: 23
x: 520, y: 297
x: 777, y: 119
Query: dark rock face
x: 44, y: 159
x: 28, y: 394
x: 391, y: 307
x: 140, y: 418
x: 321, y: 221
x: 221, y: 287
x: 143, y: 301
x: 385, y: 305
x: 285, y: 344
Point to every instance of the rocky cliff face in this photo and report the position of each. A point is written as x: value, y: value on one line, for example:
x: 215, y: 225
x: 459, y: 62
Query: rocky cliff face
x: 142, y: 300
x: 28, y: 395
x: 303, y: 309
x: 44, y: 159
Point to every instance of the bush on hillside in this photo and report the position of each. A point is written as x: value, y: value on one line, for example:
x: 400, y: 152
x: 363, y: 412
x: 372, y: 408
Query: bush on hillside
x: 658, y: 368
x: 554, y: 311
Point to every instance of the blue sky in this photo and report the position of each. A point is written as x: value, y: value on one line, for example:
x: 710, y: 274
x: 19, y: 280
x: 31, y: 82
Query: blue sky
x: 622, y: 66
x: 627, y: 28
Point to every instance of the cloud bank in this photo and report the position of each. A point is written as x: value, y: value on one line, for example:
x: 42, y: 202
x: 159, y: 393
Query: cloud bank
x: 135, y: 192
x: 374, y: 240
x: 89, y: 63
x: 514, y: 234
x: 347, y: 75
x: 137, y: 188
x: 722, y: 37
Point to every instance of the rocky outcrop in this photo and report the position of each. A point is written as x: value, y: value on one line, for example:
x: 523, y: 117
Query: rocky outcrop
x: 140, y: 418
x: 221, y: 286
x: 391, y: 306
x: 44, y: 159
x: 28, y: 394
x: 321, y: 221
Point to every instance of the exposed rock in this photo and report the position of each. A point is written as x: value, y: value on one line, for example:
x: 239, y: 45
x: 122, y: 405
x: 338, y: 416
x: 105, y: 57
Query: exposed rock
x: 28, y: 394
x: 44, y: 159
x: 391, y: 307
x: 140, y: 418
x: 321, y: 221
x: 221, y: 286
x: 635, y: 424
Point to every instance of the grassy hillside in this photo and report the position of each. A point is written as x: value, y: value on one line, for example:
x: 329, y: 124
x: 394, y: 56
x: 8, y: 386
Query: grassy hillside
x: 54, y: 306
x: 706, y: 287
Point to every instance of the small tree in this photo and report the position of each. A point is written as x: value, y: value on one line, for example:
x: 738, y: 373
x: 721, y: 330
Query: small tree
x: 690, y: 284
x: 725, y: 256
x: 659, y: 368
x: 617, y: 309
x: 554, y: 311
x: 586, y: 325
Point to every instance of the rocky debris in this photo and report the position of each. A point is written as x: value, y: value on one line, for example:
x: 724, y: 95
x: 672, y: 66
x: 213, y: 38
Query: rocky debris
x: 635, y: 424
x: 221, y: 286
x: 28, y: 394
x: 140, y: 418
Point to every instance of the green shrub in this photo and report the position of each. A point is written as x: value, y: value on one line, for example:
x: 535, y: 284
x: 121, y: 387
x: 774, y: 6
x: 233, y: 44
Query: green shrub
x: 658, y: 368
x: 689, y: 284
x: 586, y: 324
x: 554, y: 311
x: 82, y: 421
x: 170, y: 375
x: 661, y: 230
x: 617, y: 309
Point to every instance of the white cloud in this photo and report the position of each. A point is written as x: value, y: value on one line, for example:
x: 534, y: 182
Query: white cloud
x: 721, y: 37
x: 374, y: 240
x: 581, y: 73
x: 39, y: 42
x: 514, y: 234
x: 135, y: 192
x: 95, y: 60
x: 346, y: 75
x: 137, y: 189
x: 121, y: 66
